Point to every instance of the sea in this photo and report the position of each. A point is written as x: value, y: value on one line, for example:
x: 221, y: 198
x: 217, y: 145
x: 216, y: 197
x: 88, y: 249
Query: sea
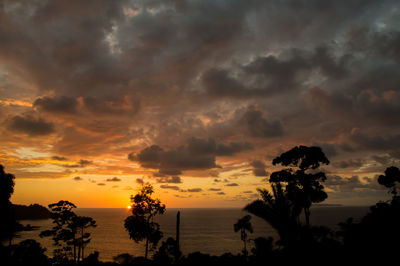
x: 202, y: 229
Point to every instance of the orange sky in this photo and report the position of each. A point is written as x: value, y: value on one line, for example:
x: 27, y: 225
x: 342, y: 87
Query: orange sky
x: 195, y: 98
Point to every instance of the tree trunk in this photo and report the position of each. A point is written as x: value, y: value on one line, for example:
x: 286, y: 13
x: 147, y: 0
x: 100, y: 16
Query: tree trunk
x: 82, y: 243
x: 147, y: 247
x: 74, y: 250
x: 79, y: 250
x: 307, y: 214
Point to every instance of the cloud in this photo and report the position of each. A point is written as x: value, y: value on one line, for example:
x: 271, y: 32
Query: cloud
x: 61, y: 104
x: 81, y: 163
x: 100, y: 79
x: 350, y: 163
x: 101, y: 184
x: 214, y: 189
x: 30, y: 125
x: 169, y: 187
x: 78, y: 178
x: 259, y: 168
x: 198, y: 154
x: 195, y: 190
x: 232, y: 185
x: 169, y: 179
x: 260, y: 127
x: 59, y: 158
x: 220, y: 193
x: 139, y: 181
x: 114, y: 179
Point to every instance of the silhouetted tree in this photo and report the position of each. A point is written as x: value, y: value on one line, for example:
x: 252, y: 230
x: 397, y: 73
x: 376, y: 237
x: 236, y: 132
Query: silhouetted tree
x: 378, y: 231
x: 140, y: 224
x: 68, y: 231
x: 123, y: 258
x: 279, y: 211
x: 263, y: 247
x: 167, y: 253
x: 303, y: 180
x: 8, y: 224
x: 244, y: 225
x: 390, y: 179
x: 80, y: 224
x: 29, y: 252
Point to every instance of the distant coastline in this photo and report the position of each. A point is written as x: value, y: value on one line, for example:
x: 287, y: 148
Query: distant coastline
x: 31, y: 212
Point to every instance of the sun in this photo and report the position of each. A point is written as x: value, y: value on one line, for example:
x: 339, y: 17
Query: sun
x: 129, y: 207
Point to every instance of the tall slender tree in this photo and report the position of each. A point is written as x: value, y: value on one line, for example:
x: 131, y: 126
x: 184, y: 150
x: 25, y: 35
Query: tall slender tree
x: 243, y: 225
x: 140, y: 225
x: 68, y: 232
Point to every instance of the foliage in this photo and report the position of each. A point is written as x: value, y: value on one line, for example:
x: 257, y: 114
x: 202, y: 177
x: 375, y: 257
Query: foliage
x: 29, y: 252
x: 276, y: 209
x: 243, y: 225
x: 303, y: 181
x: 390, y: 179
x: 378, y: 231
x: 8, y: 225
x: 68, y: 232
x: 167, y: 252
x: 140, y: 225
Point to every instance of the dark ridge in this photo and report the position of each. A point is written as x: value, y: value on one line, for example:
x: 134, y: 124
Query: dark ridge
x: 31, y: 212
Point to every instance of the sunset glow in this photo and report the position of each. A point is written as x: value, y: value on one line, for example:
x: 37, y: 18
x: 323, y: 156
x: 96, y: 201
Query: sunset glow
x: 195, y: 99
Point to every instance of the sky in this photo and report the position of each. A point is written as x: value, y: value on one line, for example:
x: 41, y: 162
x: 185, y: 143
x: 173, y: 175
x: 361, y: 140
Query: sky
x: 195, y: 97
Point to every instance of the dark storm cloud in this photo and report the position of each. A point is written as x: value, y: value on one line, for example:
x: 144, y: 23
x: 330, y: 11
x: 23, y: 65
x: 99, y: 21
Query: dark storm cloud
x: 259, y: 168
x: 328, y: 149
x: 363, y: 141
x: 350, y: 163
x: 271, y: 75
x: 159, y: 72
x: 202, y: 146
x: 61, y: 104
x: 111, y: 105
x: 258, y: 126
x: 197, y: 154
x: 31, y: 125
x: 114, y: 179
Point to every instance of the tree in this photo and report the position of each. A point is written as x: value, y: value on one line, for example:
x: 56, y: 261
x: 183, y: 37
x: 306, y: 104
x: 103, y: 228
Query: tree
x: 140, y: 225
x: 303, y: 180
x: 279, y: 211
x: 29, y: 252
x: 8, y: 224
x: 243, y: 225
x: 68, y: 231
x: 378, y: 231
x: 390, y: 179
x: 80, y: 224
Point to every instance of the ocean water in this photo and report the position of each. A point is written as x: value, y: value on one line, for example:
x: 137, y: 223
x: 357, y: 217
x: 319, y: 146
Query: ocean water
x: 205, y: 230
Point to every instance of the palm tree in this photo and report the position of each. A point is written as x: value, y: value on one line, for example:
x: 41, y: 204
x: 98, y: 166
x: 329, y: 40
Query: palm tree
x: 279, y: 211
x: 243, y: 225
